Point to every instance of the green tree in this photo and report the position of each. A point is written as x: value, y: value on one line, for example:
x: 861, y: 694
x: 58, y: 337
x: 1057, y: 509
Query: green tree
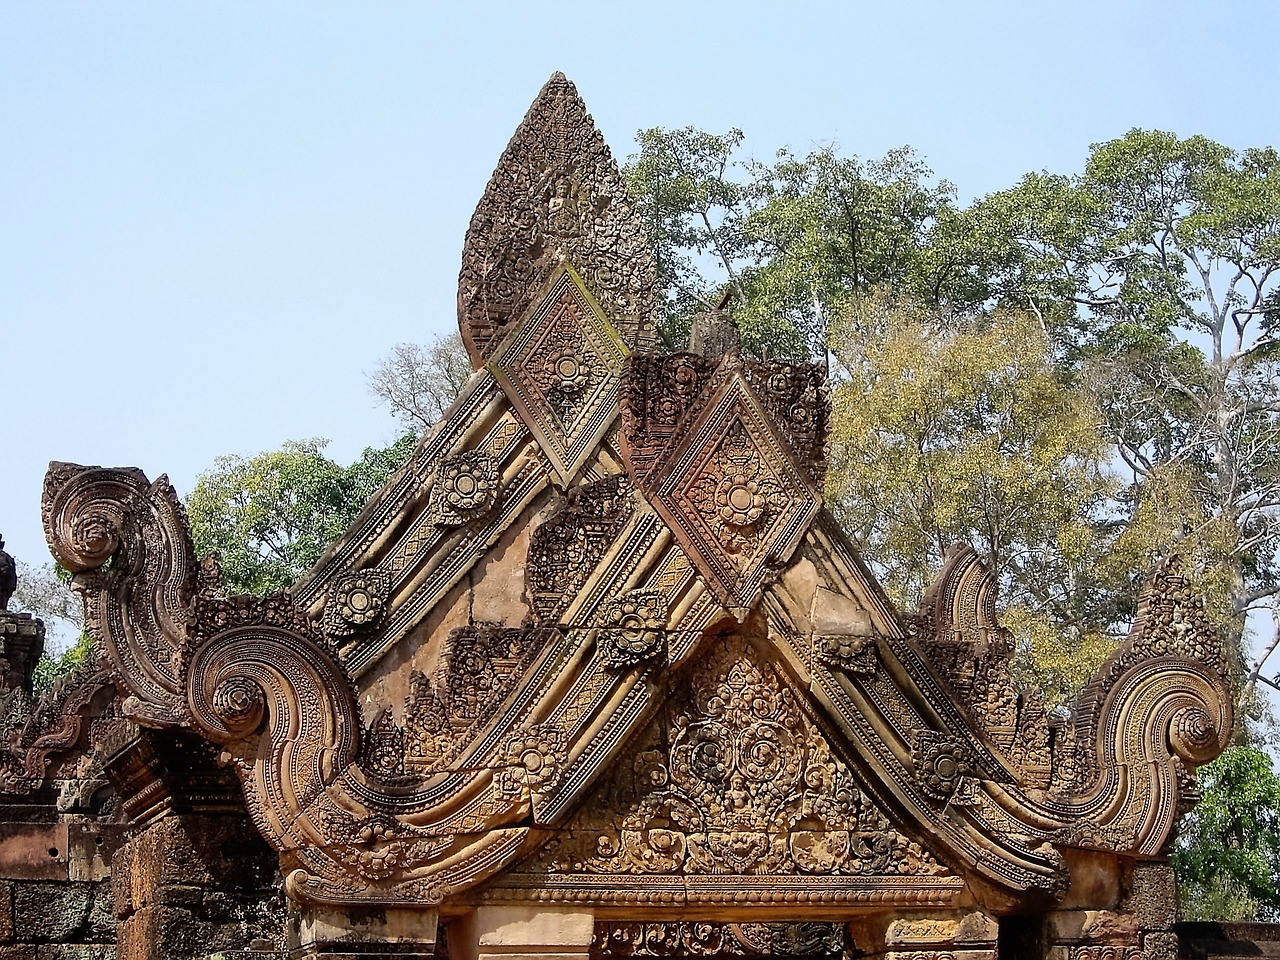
x: 1227, y: 854
x: 963, y: 430
x: 792, y: 239
x: 687, y: 187
x: 1158, y: 270
x: 271, y: 516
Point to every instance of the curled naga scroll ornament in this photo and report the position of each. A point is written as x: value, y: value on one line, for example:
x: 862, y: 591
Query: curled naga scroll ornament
x: 127, y: 543
x: 566, y: 547
x: 253, y: 675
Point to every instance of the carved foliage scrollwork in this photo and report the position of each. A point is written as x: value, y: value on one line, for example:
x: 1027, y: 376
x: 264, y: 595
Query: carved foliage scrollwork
x: 617, y: 939
x: 566, y: 547
x: 795, y: 397
x: 479, y: 667
x: 657, y: 394
x: 735, y: 779
x: 54, y: 728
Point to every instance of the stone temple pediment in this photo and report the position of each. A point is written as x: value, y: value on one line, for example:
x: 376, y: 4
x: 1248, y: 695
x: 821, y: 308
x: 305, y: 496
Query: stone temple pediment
x: 598, y: 647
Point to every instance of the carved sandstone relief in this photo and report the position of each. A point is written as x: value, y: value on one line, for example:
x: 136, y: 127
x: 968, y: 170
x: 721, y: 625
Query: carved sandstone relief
x: 700, y: 696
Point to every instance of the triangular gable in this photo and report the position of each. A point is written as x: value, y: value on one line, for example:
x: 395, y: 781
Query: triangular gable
x: 473, y: 656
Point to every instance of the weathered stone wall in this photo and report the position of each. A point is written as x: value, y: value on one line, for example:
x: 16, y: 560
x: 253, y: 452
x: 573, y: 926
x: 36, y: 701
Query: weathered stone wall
x: 56, y: 920
x: 55, y: 889
x: 198, y: 884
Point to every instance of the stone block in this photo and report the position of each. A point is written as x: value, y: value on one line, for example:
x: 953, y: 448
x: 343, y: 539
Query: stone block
x: 18, y: 952
x: 1153, y: 895
x: 367, y: 933
x: 1095, y: 880
x: 549, y: 933
x: 91, y: 847
x: 922, y: 932
x: 172, y: 933
x: 33, y: 851
x: 46, y: 912
x: 1092, y: 927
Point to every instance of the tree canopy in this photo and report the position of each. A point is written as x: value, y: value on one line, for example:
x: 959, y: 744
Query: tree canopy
x: 1149, y: 286
x: 270, y: 516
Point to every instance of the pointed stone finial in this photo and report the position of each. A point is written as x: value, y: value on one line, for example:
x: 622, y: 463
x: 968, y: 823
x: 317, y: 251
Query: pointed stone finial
x: 556, y: 197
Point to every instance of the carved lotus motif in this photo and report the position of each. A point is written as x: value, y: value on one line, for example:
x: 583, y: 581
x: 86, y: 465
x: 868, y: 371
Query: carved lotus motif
x: 356, y: 602
x: 466, y: 487
x: 534, y: 759
x: 636, y: 631
x: 941, y: 763
x: 740, y: 500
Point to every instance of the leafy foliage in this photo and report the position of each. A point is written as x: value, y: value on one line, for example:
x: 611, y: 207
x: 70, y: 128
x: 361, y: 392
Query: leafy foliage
x: 792, y: 239
x: 1227, y: 854
x: 946, y: 431
x: 50, y: 669
x: 271, y: 516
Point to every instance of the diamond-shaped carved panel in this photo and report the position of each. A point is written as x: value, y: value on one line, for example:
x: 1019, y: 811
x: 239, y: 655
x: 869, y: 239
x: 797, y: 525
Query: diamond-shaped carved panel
x: 733, y: 496
x: 560, y: 370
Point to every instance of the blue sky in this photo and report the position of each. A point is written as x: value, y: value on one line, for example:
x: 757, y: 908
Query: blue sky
x: 217, y: 217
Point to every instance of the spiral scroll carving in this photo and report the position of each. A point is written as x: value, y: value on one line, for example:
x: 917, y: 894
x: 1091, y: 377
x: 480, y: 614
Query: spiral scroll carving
x: 1194, y: 736
x: 128, y: 544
